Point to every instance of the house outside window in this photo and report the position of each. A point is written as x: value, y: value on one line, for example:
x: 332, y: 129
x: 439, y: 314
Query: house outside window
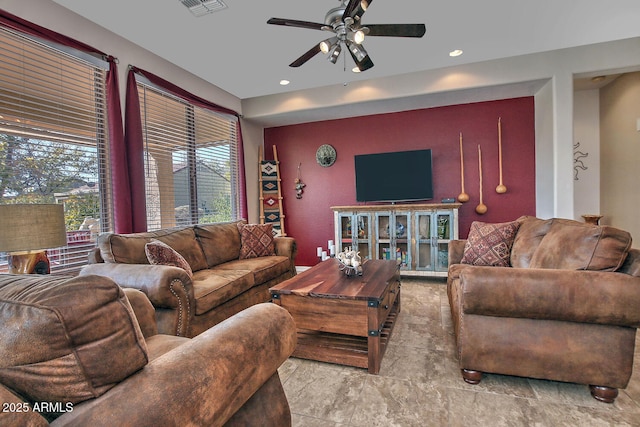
x: 191, y: 161
x: 53, y: 139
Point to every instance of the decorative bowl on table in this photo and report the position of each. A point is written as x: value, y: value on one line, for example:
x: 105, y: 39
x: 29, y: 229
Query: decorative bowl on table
x: 350, y: 262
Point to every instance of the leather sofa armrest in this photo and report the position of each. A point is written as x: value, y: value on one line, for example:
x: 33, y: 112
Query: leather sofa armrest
x: 287, y: 246
x: 203, y: 381
x: 94, y: 256
x: 144, y: 311
x: 165, y: 286
x: 456, y: 251
x: 607, y: 298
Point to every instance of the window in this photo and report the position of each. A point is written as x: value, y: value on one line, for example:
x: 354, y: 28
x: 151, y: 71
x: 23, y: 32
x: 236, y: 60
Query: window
x: 53, y: 134
x: 191, y: 162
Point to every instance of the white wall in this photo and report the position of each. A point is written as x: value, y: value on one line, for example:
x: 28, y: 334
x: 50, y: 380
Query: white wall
x: 252, y: 138
x: 544, y: 151
x: 586, y: 132
x: 620, y: 154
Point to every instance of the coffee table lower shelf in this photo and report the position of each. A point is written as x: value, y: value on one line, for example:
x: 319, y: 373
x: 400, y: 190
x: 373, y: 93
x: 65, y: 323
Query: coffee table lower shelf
x: 361, y: 352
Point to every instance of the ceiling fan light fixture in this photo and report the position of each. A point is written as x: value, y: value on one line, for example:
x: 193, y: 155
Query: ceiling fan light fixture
x: 335, y: 53
x: 328, y: 44
x: 356, y: 36
x: 358, y: 51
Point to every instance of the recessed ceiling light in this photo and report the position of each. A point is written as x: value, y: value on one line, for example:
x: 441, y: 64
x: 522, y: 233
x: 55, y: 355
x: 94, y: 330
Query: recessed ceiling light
x: 455, y: 53
x: 284, y: 82
x: 355, y: 70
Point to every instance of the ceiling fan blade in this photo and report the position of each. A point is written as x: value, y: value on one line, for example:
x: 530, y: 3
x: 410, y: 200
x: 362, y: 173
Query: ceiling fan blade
x: 296, y: 23
x: 361, y: 8
x: 306, y: 56
x: 350, y: 9
x: 397, y: 30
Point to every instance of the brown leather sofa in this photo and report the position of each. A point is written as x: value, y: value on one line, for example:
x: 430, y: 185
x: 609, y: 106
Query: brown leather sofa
x: 72, y: 352
x: 566, y: 309
x: 222, y: 284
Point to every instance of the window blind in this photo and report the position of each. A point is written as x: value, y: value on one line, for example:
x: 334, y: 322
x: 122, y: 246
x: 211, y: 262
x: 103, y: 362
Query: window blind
x: 191, y: 161
x: 53, y: 134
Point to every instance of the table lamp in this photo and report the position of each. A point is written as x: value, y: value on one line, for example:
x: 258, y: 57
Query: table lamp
x: 26, y: 231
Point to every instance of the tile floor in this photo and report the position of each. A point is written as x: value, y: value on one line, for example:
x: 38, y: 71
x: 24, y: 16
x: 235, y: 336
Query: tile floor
x: 420, y: 384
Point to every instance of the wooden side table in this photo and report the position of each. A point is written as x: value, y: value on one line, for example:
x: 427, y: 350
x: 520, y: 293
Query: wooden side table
x: 592, y: 219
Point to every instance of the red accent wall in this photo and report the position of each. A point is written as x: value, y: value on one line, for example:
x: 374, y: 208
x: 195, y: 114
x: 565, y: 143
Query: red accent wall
x: 310, y: 219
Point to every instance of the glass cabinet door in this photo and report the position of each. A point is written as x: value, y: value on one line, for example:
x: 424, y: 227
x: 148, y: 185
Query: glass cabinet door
x: 402, y: 239
x: 345, y: 238
x: 394, y: 237
x: 424, y: 241
x: 354, y: 231
x: 362, y: 240
x: 443, y: 230
x: 384, y: 229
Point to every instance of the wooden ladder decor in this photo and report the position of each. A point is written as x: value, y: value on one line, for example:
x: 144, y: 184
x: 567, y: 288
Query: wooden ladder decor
x: 271, y: 193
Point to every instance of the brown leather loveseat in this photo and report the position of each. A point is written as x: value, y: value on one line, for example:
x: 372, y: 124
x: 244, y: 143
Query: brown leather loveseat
x: 82, y: 351
x: 224, y: 278
x: 552, y: 299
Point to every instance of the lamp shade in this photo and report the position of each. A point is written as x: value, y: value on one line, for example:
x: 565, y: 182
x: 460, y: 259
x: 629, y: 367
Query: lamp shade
x: 31, y: 227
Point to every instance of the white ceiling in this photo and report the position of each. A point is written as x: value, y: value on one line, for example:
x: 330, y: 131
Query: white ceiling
x: 237, y: 51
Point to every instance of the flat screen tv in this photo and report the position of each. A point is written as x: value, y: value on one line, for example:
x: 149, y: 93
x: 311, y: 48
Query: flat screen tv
x: 394, y: 177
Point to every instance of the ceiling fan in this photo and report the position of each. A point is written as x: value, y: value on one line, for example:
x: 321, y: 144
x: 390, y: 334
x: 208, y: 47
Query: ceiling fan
x: 345, y: 22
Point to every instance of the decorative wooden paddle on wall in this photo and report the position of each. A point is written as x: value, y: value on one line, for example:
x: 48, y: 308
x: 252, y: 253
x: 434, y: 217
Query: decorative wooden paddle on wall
x: 481, y: 208
x: 462, y: 197
x: 501, y: 188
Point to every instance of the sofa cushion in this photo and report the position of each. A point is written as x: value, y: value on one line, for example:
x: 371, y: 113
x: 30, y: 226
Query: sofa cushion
x: 528, y: 237
x: 129, y: 248
x: 256, y: 240
x: 159, y: 253
x: 214, y: 287
x: 576, y: 245
x: 220, y: 242
x: 66, y: 339
x: 262, y: 268
x: 490, y: 244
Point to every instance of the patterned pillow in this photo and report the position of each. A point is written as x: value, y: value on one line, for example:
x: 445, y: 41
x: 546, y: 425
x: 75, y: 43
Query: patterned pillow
x: 159, y: 253
x: 256, y: 240
x: 490, y: 244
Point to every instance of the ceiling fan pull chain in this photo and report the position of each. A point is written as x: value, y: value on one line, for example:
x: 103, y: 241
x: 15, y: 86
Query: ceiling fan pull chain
x: 344, y: 62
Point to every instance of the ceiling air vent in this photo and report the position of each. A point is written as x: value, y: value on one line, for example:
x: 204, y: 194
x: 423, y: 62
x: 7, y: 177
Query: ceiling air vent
x: 203, y: 7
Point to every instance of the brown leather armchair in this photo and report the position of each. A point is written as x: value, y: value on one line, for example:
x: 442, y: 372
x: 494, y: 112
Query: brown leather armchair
x: 566, y: 309
x: 72, y: 352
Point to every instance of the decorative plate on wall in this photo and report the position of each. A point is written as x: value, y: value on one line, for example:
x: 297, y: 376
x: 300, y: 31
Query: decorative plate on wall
x: 326, y: 155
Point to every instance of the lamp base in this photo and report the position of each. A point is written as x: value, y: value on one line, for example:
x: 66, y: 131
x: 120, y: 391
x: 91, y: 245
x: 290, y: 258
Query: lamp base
x: 32, y: 262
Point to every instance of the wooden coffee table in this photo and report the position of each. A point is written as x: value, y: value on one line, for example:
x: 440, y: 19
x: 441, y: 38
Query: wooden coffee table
x: 340, y: 319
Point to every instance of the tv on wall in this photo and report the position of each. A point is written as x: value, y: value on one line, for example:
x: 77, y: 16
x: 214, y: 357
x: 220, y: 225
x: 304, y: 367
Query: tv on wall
x: 394, y: 177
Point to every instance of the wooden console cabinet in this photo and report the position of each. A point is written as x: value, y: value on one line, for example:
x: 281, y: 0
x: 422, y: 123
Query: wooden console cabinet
x: 416, y: 235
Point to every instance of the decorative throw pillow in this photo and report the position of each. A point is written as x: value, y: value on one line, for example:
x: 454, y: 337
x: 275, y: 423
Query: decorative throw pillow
x: 159, y: 253
x: 490, y: 244
x: 256, y: 240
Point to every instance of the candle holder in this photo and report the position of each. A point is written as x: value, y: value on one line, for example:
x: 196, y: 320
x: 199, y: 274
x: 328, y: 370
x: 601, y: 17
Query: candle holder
x: 350, y: 262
